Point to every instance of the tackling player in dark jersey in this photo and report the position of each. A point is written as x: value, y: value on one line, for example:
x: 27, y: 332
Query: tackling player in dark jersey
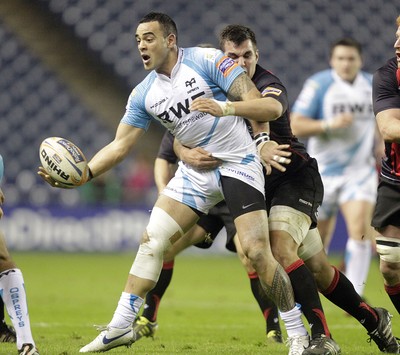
x: 386, y: 219
x: 291, y: 189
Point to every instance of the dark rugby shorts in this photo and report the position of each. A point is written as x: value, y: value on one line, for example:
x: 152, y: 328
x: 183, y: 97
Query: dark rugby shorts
x: 387, y: 209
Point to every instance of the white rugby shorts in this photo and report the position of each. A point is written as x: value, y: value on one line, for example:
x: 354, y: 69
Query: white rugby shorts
x: 202, y: 190
x: 358, y: 185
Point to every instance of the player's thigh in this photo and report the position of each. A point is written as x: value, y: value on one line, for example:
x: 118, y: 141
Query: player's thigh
x: 184, y: 215
x: 358, y: 215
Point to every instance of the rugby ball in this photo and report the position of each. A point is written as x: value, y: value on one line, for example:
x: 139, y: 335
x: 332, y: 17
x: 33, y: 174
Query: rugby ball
x: 63, y: 161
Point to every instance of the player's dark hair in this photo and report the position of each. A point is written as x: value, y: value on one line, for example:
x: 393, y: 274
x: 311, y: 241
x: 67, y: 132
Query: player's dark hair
x: 236, y: 34
x: 167, y: 23
x: 348, y: 42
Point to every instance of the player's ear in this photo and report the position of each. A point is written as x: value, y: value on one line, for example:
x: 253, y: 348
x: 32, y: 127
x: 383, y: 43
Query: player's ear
x: 171, y: 40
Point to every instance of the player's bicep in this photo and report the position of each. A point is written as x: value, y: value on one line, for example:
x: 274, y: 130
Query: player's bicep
x: 243, y: 88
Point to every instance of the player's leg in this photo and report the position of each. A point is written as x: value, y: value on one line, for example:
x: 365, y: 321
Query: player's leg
x: 386, y: 222
x: 247, y: 206
x: 388, y: 248
x: 169, y: 220
x: 335, y: 286
x: 13, y: 293
x: 357, y: 200
x: 358, y: 253
x: 288, y: 228
x: 267, y: 306
x: 7, y: 333
x: 329, y: 208
x: 326, y: 229
x: 202, y: 235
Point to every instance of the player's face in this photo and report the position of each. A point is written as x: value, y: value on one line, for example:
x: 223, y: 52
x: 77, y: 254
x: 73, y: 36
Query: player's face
x: 244, y: 54
x: 397, y: 46
x: 154, y: 48
x: 346, y: 61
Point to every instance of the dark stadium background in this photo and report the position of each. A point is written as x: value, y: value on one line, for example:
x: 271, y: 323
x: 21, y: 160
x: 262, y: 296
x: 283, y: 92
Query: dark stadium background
x: 67, y: 68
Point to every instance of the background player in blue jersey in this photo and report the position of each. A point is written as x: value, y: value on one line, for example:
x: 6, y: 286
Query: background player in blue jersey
x: 178, y: 76
x: 334, y: 110
x: 12, y: 290
x: 386, y: 220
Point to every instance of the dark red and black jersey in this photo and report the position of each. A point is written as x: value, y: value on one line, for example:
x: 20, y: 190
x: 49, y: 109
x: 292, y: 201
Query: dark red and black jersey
x: 386, y: 95
x: 280, y: 131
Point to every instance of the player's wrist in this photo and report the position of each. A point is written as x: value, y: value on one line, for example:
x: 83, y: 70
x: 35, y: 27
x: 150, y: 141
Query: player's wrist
x: 90, y: 174
x: 326, y: 126
x: 261, y: 139
x: 227, y: 108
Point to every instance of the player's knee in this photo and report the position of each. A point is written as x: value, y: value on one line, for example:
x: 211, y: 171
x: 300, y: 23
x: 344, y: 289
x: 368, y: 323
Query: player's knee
x: 388, y: 250
x: 160, y: 231
x: 311, y: 247
x: 289, y: 220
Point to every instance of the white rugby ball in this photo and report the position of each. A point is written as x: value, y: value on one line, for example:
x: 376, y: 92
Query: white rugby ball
x: 63, y: 161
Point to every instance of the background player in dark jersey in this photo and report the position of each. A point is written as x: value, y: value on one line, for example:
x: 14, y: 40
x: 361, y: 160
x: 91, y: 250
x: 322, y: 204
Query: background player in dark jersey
x: 386, y: 219
x: 285, y: 193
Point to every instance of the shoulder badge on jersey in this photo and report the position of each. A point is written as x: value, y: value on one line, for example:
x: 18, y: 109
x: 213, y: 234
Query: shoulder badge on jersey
x: 226, y: 65
x: 271, y: 90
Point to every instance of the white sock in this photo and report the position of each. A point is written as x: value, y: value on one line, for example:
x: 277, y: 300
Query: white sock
x: 127, y: 310
x: 357, y: 260
x: 293, y: 322
x: 12, y: 290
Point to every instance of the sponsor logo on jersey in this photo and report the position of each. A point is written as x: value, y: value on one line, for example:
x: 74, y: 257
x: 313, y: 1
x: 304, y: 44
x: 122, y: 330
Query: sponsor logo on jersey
x: 271, y: 91
x: 181, y: 109
x: 226, y: 65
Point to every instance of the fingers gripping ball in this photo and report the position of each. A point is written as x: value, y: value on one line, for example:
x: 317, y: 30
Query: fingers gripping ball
x: 64, y: 161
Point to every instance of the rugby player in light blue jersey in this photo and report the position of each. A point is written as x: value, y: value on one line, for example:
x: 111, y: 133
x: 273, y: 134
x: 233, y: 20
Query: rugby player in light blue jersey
x: 178, y: 77
x: 334, y: 110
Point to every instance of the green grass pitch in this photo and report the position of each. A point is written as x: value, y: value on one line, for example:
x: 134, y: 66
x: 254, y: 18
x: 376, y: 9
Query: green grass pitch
x: 208, y: 309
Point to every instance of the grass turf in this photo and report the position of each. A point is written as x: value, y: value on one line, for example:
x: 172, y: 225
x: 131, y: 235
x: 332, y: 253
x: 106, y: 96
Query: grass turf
x: 208, y: 309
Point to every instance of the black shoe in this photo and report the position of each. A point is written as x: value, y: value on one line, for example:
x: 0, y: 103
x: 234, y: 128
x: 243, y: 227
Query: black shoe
x: 382, y: 335
x: 274, y: 336
x: 142, y: 327
x: 7, y: 334
x: 322, y: 345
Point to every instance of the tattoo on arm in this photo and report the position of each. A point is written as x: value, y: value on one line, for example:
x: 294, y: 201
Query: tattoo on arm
x: 281, y: 290
x: 241, y: 85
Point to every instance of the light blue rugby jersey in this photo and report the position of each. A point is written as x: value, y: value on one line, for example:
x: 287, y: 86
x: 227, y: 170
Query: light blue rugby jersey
x: 325, y: 95
x: 199, y: 72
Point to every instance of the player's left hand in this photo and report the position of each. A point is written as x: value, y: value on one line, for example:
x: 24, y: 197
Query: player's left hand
x: 46, y: 177
x: 273, y: 155
x: 206, y: 105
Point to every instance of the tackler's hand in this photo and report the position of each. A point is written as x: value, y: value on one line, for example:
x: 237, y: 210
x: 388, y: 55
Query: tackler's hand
x: 274, y: 155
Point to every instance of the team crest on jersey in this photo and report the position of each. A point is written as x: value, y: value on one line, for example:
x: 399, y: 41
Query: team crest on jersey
x: 226, y: 65
x: 211, y: 54
x: 271, y: 90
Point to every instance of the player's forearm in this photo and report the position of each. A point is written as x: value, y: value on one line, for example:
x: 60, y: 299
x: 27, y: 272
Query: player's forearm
x: 162, y: 173
x: 306, y: 127
x: 260, y: 110
x: 389, y: 125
